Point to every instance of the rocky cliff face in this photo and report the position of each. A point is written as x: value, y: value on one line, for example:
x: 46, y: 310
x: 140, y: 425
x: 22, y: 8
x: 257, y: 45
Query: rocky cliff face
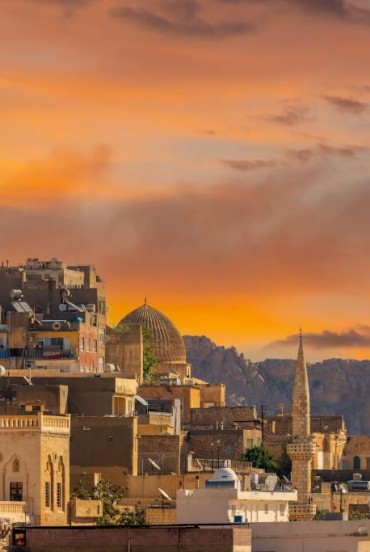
x: 337, y: 386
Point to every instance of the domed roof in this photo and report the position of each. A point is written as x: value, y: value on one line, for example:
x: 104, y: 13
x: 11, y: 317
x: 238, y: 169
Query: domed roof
x: 225, y: 473
x: 166, y: 340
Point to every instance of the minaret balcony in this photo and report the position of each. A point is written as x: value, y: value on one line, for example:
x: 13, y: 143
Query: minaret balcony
x: 301, y: 450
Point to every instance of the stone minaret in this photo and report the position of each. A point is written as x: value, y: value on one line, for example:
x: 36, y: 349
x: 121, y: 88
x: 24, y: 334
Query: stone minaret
x: 302, y: 447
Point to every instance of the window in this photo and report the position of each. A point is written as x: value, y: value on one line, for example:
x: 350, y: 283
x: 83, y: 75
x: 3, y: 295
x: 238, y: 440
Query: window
x: 87, y: 344
x: 95, y: 345
x: 16, y: 491
x: 266, y: 508
x: 82, y: 343
x: 229, y: 450
x: 356, y: 463
x: 59, y: 495
x: 47, y: 494
x: 282, y: 509
x: 101, y: 336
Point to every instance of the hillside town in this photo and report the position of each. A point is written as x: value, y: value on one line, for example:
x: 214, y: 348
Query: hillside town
x: 105, y: 427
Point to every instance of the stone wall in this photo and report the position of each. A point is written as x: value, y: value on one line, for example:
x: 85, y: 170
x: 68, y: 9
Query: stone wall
x: 101, y: 443
x: 223, y: 444
x: 138, y: 539
x: 160, y: 515
x: 168, y: 451
x: 212, y: 394
x: 209, y: 418
x: 126, y: 350
x: 188, y: 394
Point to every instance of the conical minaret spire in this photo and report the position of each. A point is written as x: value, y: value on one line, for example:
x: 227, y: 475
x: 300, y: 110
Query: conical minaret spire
x: 301, y: 396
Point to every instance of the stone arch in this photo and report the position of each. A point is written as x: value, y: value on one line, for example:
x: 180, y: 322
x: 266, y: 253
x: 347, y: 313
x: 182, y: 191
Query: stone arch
x: 19, y: 475
x: 16, y: 464
x: 49, y: 484
x: 60, y: 489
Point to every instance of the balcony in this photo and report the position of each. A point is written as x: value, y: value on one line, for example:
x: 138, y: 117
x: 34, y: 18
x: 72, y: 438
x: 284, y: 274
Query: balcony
x: 49, y: 353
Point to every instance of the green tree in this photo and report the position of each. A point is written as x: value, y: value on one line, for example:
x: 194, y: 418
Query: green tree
x: 260, y: 458
x: 109, y: 494
x: 149, y: 358
x: 284, y: 463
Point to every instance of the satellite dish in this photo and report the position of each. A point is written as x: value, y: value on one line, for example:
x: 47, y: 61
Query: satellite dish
x: 154, y: 464
x: 2, y: 371
x: 164, y: 494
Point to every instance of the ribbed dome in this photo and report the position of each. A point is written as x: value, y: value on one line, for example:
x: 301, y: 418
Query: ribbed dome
x: 166, y: 340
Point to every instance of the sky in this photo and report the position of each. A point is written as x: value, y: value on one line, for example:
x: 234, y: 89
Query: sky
x: 211, y: 155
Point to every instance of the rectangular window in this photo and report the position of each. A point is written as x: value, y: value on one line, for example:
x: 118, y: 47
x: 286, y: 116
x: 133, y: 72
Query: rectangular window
x: 82, y: 343
x: 95, y: 346
x: 47, y: 494
x: 16, y: 491
x: 282, y: 509
x: 101, y: 336
x: 87, y: 344
x: 266, y: 508
x: 59, y: 495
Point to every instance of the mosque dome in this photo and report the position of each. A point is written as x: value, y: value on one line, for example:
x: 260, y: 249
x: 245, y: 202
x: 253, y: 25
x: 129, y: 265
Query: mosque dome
x: 166, y: 340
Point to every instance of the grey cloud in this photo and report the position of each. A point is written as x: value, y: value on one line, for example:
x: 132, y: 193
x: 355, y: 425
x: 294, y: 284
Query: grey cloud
x: 181, y: 20
x: 359, y: 336
x: 349, y: 105
x: 323, y: 150
x: 339, y: 9
x: 248, y: 165
x: 290, y: 116
x: 63, y: 3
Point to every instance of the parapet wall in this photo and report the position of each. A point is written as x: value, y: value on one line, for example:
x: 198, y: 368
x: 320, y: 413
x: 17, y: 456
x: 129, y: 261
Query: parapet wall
x: 137, y: 539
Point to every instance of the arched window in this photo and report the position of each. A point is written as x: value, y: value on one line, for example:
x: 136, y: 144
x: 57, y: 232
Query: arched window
x: 356, y: 463
x: 49, y: 484
x: 60, y: 486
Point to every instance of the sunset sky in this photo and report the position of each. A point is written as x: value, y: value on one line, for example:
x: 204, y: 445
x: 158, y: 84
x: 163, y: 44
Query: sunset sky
x: 212, y: 155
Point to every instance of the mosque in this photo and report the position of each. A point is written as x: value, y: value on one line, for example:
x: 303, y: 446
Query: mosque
x: 165, y: 340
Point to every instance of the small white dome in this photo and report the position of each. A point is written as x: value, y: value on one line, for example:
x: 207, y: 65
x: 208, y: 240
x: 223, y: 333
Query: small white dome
x: 222, y: 474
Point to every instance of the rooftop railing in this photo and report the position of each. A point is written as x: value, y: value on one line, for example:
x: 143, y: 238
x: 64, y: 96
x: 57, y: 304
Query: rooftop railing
x: 37, y: 421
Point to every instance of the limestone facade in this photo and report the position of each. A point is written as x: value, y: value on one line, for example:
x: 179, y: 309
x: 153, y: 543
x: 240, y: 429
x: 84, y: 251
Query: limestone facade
x: 34, y: 465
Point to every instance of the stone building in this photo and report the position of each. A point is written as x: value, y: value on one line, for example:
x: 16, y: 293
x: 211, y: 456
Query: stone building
x: 329, y: 433
x: 356, y: 454
x: 52, y: 316
x: 165, y: 339
x: 191, y: 395
x: 104, y: 444
x: 85, y: 394
x: 124, y: 350
x: 302, y: 447
x: 34, y: 465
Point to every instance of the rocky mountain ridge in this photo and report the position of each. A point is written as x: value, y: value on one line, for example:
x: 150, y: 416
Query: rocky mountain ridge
x: 338, y: 386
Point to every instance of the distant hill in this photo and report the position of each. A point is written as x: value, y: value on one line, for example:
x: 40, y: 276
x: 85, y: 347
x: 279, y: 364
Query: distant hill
x: 337, y: 386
